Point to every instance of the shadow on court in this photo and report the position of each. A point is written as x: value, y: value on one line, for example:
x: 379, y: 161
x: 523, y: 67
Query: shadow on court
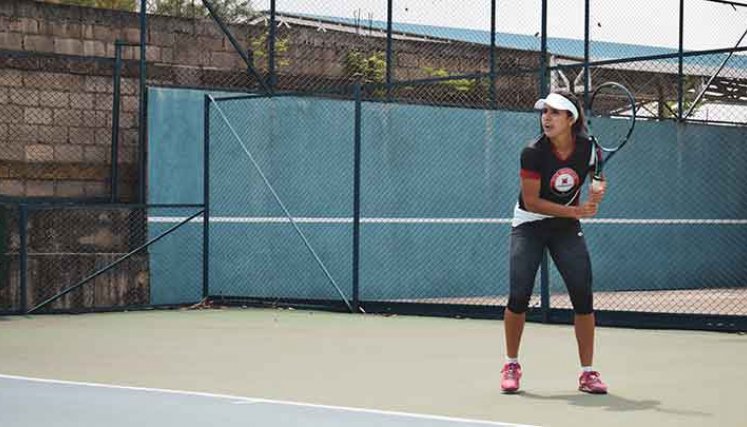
x: 612, y: 402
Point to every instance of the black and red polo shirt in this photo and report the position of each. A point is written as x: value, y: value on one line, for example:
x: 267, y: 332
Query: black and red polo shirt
x: 560, y: 178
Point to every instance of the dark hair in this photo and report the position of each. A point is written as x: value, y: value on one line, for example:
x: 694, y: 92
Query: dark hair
x: 579, y: 127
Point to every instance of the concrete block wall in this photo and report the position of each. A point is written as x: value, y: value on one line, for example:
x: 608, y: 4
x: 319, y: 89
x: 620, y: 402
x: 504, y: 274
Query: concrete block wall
x: 55, y: 106
x: 55, y: 132
x: 56, y: 100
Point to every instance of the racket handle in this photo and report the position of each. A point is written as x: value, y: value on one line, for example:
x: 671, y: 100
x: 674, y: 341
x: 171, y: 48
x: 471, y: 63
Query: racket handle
x: 596, y: 183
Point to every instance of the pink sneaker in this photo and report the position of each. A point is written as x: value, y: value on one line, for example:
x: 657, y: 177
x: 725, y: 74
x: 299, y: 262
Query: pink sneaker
x: 590, y: 382
x: 510, y: 376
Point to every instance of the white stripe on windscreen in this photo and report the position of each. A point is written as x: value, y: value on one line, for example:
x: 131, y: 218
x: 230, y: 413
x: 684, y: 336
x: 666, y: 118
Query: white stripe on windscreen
x: 415, y: 220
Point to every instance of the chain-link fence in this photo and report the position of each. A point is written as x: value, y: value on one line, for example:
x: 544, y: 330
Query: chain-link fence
x: 280, y: 213
x: 10, y: 295
x: 56, y: 121
x: 75, y: 258
x: 70, y: 136
x: 419, y: 214
x: 436, y: 94
x: 439, y: 88
x: 320, y: 47
x: 664, y: 240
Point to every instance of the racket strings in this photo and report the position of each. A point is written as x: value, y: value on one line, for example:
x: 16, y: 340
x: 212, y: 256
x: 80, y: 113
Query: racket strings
x: 612, y: 113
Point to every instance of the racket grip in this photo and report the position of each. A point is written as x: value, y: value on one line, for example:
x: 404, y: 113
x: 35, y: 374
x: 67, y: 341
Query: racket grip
x: 596, y: 183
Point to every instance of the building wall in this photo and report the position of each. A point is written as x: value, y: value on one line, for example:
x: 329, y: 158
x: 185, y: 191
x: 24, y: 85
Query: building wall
x: 56, y: 103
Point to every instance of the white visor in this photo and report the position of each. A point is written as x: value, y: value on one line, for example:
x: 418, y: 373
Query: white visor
x: 558, y: 102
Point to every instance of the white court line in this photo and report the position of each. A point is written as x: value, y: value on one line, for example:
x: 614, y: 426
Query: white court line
x: 334, y: 220
x: 244, y: 400
x: 366, y: 220
x: 665, y: 221
x: 436, y: 220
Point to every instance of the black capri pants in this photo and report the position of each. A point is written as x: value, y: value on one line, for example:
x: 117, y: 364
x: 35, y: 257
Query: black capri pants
x: 565, y: 241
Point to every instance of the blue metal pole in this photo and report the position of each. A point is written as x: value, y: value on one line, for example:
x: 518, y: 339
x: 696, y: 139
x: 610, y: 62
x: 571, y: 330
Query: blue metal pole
x: 545, y: 287
x: 357, y: 197
x: 206, y: 200
x: 587, y: 38
x: 142, y: 102
x: 271, y: 60
x: 680, y: 75
x: 675, y: 55
x: 492, y: 94
x: 23, y: 256
x: 389, y: 48
x: 544, y: 273
x: 543, y: 52
x: 114, y: 170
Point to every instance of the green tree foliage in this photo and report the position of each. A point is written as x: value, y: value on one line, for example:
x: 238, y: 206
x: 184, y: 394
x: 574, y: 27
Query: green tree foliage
x: 369, y: 69
x: 460, y: 85
x: 260, y: 51
x: 228, y: 10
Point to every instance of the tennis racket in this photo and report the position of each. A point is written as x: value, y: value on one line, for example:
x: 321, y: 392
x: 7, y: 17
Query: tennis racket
x: 611, y: 113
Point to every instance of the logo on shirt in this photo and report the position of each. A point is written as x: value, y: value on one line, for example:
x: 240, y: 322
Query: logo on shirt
x: 564, y: 180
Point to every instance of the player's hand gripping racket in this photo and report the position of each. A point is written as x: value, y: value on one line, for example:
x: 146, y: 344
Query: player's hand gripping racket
x: 611, y: 113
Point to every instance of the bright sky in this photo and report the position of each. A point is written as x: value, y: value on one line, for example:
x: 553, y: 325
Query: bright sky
x: 708, y: 25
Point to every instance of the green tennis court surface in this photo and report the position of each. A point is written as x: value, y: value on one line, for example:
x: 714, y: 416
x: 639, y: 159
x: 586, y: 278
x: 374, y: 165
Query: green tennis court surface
x: 237, y: 366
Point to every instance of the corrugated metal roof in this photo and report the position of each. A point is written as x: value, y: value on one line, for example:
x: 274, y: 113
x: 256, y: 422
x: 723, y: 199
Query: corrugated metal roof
x: 569, y: 48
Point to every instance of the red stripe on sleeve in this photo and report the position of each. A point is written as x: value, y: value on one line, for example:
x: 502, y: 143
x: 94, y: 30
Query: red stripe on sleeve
x: 526, y: 173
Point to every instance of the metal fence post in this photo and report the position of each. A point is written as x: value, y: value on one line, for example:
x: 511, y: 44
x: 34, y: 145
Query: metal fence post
x: 142, y: 101
x: 23, y: 256
x: 587, y: 37
x: 680, y: 83
x: 206, y: 200
x: 357, y: 196
x: 544, y: 270
x: 271, y: 60
x: 389, y: 48
x: 114, y: 170
x: 493, y: 101
x: 543, y: 52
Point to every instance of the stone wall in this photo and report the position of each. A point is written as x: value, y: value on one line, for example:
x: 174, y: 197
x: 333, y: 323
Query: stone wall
x: 56, y: 102
x: 55, y: 128
x: 56, y: 85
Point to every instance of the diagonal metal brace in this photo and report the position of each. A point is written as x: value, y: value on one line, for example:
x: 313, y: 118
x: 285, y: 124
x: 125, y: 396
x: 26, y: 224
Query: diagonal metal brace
x: 236, y: 45
x: 282, y: 206
x: 114, y: 264
x: 713, y: 77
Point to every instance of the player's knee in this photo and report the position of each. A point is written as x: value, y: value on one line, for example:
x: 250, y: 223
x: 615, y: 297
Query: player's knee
x: 584, y: 310
x: 583, y: 303
x: 518, y: 303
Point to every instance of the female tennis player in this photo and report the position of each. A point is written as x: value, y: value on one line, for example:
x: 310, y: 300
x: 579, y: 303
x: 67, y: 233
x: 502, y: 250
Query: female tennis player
x: 553, y: 169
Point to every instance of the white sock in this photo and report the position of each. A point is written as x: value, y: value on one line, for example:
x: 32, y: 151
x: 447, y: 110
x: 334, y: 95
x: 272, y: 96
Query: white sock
x: 586, y: 369
x: 512, y: 360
